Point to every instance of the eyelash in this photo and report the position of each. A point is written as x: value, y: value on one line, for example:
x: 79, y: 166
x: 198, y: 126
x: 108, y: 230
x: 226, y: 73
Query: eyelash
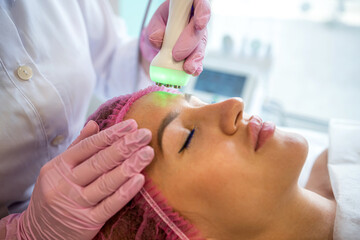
x: 188, y: 140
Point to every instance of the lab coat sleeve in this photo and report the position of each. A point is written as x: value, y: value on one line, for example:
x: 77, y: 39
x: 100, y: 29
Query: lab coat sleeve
x: 114, y: 54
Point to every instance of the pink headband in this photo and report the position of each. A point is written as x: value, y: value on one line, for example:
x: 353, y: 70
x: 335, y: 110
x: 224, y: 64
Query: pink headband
x: 114, y: 110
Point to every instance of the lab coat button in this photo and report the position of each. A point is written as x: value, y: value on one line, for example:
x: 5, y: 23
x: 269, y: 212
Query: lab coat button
x: 24, y: 72
x: 57, y: 140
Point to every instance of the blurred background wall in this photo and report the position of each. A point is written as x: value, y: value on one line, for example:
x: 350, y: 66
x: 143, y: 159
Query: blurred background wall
x: 311, y: 49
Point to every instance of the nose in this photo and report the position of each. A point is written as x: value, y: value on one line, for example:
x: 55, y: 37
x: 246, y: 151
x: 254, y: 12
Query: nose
x: 227, y: 114
x: 231, y: 112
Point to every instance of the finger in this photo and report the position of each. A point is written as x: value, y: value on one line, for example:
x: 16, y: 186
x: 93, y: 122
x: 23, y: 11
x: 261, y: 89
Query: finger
x: 202, y: 13
x: 90, y: 129
x: 193, y: 64
x: 148, y: 51
x: 91, y: 145
x: 108, y: 158
x: 111, y: 205
x: 156, y: 28
x: 188, y: 40
x: 198, y: 71
x: 108, y: 183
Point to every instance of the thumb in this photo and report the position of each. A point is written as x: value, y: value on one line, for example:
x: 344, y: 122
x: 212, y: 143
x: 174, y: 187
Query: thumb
x: 90, y: 129
x: 156, y: 29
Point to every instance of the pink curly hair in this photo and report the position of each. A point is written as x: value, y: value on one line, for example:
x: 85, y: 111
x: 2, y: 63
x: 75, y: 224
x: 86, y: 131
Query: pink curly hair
x: 147, y: 215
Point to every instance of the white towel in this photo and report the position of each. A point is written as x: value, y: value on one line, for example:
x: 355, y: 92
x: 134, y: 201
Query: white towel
x: 344, y: 170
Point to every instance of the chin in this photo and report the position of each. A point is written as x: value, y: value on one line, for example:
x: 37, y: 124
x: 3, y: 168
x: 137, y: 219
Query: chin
x: 292, y: 149
x: 298, y: 148
x: 299, y: 143
x: 288, y: 143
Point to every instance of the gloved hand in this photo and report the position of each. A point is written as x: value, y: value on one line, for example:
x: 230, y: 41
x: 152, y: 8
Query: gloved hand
x: 191, y: 43
x: 90, y: 129
x: 79, y: 190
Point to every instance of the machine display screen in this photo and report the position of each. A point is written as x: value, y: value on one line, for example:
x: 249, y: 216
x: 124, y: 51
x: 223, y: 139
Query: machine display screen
x: 221, y: 83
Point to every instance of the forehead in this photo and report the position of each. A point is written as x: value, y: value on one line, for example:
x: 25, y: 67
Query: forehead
x: 160, y: 99
x: 149, y: 110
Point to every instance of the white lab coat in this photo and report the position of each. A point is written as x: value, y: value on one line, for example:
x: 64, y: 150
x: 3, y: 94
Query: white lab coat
x: 72, y: 48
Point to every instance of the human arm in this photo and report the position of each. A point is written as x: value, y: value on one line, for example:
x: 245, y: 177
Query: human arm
x: 80, y: 189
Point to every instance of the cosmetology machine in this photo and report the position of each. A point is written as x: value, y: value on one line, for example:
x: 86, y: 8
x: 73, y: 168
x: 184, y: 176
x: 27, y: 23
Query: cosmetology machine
x: 229, y: 74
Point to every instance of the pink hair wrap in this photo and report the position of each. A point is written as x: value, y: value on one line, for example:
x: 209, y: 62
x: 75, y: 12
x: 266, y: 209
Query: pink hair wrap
x: 149, y: 199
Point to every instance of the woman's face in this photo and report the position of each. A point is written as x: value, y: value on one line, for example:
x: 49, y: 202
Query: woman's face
x: 219, y: 181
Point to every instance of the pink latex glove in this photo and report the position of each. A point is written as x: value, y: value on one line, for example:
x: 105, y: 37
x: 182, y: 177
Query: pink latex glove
x: 191, y: 43
x: 79, y: 190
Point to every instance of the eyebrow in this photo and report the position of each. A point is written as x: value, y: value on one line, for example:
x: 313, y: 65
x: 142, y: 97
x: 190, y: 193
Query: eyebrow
x: 167, y: 120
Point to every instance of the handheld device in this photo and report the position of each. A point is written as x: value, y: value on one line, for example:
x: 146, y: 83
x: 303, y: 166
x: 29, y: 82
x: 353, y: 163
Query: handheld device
x: 164, y: 70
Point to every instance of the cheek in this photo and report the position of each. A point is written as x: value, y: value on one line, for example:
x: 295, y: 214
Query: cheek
x: 220, y: 178
x: 214, y: 173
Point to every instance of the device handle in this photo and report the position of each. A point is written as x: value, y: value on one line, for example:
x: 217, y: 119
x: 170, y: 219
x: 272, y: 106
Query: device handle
x: 179, y: 15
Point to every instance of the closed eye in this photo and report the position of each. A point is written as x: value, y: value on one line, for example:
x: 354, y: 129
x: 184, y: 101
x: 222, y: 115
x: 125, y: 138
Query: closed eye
x: 187, y: 141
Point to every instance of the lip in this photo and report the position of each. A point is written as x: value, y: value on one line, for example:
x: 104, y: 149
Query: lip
x: 260, y: 131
